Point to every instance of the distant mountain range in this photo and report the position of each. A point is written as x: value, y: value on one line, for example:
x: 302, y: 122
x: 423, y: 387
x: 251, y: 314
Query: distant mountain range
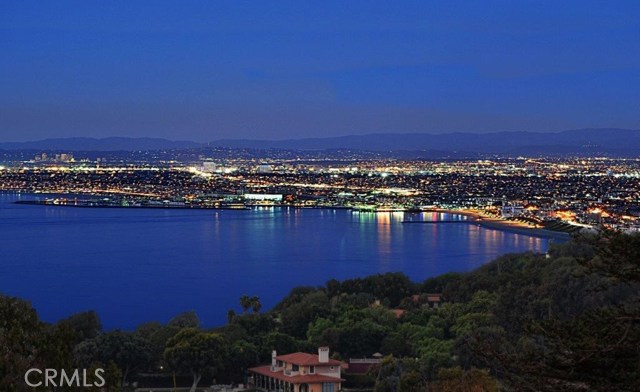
x: 104, y: 144
x: 623, y: 142
x: 609, y: 141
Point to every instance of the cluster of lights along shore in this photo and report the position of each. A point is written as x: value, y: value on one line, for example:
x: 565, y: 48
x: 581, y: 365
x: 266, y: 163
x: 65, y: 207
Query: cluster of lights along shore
x: 576, y: 191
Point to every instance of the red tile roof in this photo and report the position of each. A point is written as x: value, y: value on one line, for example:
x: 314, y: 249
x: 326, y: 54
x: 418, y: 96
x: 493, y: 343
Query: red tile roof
x: 305, y: 359
x: 299, y: 379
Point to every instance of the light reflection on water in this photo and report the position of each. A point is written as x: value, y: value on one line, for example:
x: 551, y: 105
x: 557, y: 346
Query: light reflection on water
x: 136, y: 265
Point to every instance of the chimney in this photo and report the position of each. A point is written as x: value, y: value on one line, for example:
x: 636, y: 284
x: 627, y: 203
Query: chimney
x: 274, y: 363
x: 323, y: 354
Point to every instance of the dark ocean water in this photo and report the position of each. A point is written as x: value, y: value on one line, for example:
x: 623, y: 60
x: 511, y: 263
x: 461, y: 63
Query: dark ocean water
x: 138, y: 265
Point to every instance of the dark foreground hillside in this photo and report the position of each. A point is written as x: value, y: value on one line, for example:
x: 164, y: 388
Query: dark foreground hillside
x: 565, y: 321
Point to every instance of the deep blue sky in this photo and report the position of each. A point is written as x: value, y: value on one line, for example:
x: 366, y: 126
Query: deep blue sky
x: 205, y: 70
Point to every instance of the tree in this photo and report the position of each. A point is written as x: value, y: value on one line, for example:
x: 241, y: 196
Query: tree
x: 130, y: 352
x: 458, y: 380
x: 544, y: 342
x: 295, y: 296
x: 617, y: 256
x: 411, y: 381
x: 242, y: 355
x: 85, y: 325
x: 388, y: 375
x: 231, y: 315
x: 196, y: 352
x: 257, y: 324
x: 21, y: 337
x: 398, y: 375
x: 57, y: 347
x: 332, y: 288
x: 157, y: 335
x: 255, y: 304
x: 280, y: 342
x: 361, y: 338
x: 245, y: 303
x: 185, y: 320
x: 316, y: 330
x: 297, y: 316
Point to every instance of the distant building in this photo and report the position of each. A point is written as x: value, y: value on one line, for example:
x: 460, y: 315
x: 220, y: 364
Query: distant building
x: 263, y: 197
x: 363, y: 365
x: 434, y: 300
x: 485, y: 201
x: 299, y: 372
x: 265, y: 168
x: 428, y: 300
x: 209, y: 167
x: 511, y: 211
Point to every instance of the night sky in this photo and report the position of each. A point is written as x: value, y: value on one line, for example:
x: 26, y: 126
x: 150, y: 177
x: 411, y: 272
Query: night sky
x: 206, y: 70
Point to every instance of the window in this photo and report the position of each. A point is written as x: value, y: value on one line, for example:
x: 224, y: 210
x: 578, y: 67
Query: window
x: 328, y: 387
x: 295, y: 368
x: 312, y: 369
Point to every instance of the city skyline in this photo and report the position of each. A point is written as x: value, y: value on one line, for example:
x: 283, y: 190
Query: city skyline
x: 208, y: 71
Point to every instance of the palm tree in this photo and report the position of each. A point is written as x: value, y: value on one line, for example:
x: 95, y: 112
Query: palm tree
x: 245, y: 302
x: 255, y: 304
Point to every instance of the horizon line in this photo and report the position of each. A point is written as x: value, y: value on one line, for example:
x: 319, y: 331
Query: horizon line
x: 309, y: 137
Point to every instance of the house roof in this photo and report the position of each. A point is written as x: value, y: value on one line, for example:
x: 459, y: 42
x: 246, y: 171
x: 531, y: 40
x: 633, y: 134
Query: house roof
x: 434, y: 297
x: 305, y: 359
x: 360, y: 368
x: 299, y: 379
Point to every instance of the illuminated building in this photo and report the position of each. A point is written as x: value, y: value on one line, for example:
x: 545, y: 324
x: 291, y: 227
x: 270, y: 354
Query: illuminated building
x: 299, y: 372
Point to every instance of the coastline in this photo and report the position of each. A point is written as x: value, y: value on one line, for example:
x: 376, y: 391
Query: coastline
x: 150, y: 206
x: 475, y: 216
x: 504, y: 225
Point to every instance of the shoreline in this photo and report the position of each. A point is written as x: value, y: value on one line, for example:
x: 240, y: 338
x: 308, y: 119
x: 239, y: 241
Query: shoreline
x: 114, y: 206
x: 475, y: 217
x: 504, y: 225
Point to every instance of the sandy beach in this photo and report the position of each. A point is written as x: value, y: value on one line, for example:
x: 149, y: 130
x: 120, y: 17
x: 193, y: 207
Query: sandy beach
x: 506, y: 225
